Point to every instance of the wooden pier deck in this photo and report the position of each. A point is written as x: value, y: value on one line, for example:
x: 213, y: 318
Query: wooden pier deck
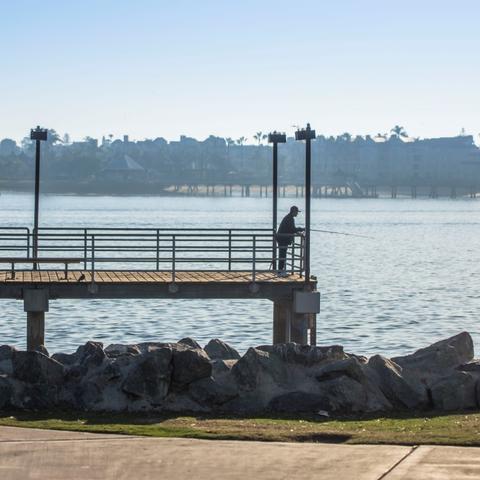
x: 145, y: 276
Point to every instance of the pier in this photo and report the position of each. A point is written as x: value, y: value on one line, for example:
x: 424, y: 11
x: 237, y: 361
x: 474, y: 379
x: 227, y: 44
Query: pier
x: 179, y: 263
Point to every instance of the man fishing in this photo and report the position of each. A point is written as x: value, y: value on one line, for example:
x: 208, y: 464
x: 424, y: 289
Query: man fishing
x: 285, y: 236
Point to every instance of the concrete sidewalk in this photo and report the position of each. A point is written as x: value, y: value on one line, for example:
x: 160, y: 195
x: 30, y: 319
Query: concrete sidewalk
x: 39, y: 454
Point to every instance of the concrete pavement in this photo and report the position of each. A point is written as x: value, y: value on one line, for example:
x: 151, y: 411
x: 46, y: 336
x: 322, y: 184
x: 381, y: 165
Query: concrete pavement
x: 39, y: 454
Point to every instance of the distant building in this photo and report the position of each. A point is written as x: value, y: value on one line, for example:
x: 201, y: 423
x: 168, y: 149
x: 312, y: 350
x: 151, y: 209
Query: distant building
x: 123, y: 168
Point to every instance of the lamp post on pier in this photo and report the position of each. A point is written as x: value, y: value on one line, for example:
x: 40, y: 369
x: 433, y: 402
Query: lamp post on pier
x: 39, y: 135
x: 275, y: 138
x: 308, y: 135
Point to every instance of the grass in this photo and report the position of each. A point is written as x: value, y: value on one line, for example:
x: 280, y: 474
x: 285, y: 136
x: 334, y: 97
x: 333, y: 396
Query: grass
x: 461, y: 429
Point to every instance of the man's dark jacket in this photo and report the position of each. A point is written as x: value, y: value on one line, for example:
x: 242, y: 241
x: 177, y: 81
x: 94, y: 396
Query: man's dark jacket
x: 287, y: 230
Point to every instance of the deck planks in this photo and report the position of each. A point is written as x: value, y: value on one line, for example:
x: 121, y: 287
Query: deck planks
x: 145, y: 276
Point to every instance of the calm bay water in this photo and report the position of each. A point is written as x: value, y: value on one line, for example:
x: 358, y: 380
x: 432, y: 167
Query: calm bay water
x: 416, y: 281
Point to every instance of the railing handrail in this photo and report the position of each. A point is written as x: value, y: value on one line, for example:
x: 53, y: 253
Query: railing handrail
x: 212, y: 247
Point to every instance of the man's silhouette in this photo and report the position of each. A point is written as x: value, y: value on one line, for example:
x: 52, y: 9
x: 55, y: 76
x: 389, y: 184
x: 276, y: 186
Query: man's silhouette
x: 285, y: 235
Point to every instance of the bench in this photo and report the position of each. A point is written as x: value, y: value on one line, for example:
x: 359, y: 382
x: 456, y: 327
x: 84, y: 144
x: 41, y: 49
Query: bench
x: 34, y: 261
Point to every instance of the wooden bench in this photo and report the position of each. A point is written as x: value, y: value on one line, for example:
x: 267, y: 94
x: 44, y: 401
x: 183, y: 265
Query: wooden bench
x: 34, y: 261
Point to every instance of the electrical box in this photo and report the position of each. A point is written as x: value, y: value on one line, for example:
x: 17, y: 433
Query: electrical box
x: 35, y: 300
x: 306, y: 302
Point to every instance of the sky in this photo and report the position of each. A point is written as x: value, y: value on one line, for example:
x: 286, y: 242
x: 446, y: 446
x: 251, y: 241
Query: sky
x: 231, y: 68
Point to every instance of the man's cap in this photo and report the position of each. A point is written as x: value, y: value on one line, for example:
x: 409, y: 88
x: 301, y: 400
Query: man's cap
x: 294, y: 208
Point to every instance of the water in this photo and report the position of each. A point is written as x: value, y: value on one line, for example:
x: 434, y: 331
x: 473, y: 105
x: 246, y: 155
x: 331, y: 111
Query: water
x: 415, y: 282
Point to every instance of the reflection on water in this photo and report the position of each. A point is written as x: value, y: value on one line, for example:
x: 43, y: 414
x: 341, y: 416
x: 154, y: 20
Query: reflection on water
x: 416, y: 281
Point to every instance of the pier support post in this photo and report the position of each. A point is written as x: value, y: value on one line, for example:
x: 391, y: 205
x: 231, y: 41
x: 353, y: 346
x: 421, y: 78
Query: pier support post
x: 281, y: 321
x: 35, y: 303
x: 294, y: 318
x: 35, y: 330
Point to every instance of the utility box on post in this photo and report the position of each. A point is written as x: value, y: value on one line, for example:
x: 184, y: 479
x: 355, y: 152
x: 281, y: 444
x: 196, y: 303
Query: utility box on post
x: 306, y: 302
x: 35, y: 300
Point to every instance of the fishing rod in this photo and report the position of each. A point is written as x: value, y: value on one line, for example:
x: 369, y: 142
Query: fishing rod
x: 340, y: 233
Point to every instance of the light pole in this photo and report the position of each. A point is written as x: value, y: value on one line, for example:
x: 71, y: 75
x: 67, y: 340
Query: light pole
x: 307, y: 134
x: 275, y: 138
x: 39, y: 134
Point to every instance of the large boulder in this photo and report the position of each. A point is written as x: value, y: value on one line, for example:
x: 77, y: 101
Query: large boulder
x: 388, y: 376
x: 117, y: 349
x: 35, y: 367
x: 347, y: 388
x: 457, y: 391
x: 189, y: 364
x: 218, y: 350
x: 6, y: 352
x: 210, y: 392
x: 150, y: 377
x: 6, y: 355
x: 300, y: 402
x: 190, y: 342
x: 259, y: 368
x: 6, y: 392
x: 91, y: 354
x: 440, y: 356
x: 305, y: 355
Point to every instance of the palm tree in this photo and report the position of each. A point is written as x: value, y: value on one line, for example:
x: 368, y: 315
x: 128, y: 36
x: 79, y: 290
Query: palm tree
x: 399, y: 131
x: 258, y: 137
x: 241, y: 140
x: 230, y: 141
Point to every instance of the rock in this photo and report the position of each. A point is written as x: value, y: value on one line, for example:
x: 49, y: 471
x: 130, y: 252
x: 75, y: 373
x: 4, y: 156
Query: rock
x: 346, y: 395
x: 299, y: 402
x: 6, y: 392
x: 42, y: 349
x: 388, y: 377
x: 259, y: 367
x: 35, y: 367
x: 6, y: 367
x: 150, y: 378
x: 470, y: 367
x: 305, y: 355
x: 218, y: 350
x: 6, y: 352
x: 116, y: 349
x: 346, y: 387
x: 38, y: 396
x: 6, y: 355
x: 350, y: 367
x: 91, y: 354
x: 440, y: 356
x: 190, y: 342
x: 221, y: 368
x: 455, y: 392
x: 66, y: 358
x: 189, y: 364
x: 207, y: 391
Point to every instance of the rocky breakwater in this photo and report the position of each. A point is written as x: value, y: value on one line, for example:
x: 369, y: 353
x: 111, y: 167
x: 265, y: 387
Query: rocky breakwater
x: 290, y: 378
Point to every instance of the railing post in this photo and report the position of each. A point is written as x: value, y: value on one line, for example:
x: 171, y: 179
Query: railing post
x: 254, y: 260
x: 158, y: 249
x: 293, y: 255
x: 35, y: 247
x: 229, y: 250
x: 93, y: 257
x: 85, y: 249
x: 302, y: 255
x: 28, y: 243
x: 173, y: 258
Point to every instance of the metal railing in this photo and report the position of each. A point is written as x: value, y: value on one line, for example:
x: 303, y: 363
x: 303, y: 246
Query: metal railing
x: 158, y: 249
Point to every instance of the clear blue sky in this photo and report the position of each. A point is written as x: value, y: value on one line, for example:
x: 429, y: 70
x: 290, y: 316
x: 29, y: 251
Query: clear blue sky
x: 160, y: 68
